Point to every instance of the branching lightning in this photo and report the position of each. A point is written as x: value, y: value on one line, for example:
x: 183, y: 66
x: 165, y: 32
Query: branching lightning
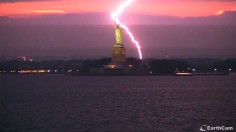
x: 115, y: 16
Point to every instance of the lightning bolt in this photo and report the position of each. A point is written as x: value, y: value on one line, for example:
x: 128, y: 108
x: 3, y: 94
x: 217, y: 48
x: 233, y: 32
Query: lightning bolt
x: 115, y: 16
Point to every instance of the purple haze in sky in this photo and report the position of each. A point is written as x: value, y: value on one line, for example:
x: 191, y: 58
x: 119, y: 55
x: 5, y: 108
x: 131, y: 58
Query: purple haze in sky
x: 92, y: 36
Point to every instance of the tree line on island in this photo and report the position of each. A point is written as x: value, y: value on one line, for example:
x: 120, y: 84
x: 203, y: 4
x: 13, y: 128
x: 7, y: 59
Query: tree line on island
x: 155, y: 66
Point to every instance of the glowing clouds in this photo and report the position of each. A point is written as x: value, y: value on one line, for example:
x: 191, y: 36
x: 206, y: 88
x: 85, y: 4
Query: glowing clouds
x: 220, y: 12
x: 49, y: 11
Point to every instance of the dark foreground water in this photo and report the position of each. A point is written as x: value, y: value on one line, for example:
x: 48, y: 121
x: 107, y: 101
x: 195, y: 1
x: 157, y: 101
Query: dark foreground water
x: 154, y: 103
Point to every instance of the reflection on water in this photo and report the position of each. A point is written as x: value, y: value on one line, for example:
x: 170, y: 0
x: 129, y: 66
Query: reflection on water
x: 153, y: 103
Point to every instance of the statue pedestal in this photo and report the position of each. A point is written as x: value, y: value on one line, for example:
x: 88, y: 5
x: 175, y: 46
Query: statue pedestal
x: 118, y: 54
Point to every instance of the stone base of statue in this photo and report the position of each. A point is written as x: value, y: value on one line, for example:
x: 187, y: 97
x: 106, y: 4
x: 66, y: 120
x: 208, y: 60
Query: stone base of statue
x: 118, y: 54
x: 118, y: 60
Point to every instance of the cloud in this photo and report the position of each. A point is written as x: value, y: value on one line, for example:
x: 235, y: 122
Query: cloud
x: 227, y: 18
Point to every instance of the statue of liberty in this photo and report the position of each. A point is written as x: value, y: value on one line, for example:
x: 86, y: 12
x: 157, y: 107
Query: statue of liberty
x: 118, y: 33
x: 118, y: 53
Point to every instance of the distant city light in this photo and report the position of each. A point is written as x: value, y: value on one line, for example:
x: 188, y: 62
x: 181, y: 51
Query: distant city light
x: 130, y: 66
x: 32, y: 71
x: 230, y: 69
x: 42, y: 71
x: 215, y: 69
x: 182, y: 73
x: 112, y: 66
x: 194, y: 70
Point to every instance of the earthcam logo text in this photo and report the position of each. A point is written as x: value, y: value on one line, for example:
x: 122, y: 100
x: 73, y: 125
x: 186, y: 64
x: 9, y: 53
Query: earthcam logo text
x: 205, y: 128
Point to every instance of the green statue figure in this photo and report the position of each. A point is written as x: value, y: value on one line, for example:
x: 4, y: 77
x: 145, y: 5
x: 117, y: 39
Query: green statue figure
x: 118, y: 33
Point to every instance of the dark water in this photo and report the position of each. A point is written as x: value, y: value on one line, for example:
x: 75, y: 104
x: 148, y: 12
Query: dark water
x: 155, y: 103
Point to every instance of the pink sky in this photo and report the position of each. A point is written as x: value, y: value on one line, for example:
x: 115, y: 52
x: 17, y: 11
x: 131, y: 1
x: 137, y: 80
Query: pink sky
x: 181, y: 8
